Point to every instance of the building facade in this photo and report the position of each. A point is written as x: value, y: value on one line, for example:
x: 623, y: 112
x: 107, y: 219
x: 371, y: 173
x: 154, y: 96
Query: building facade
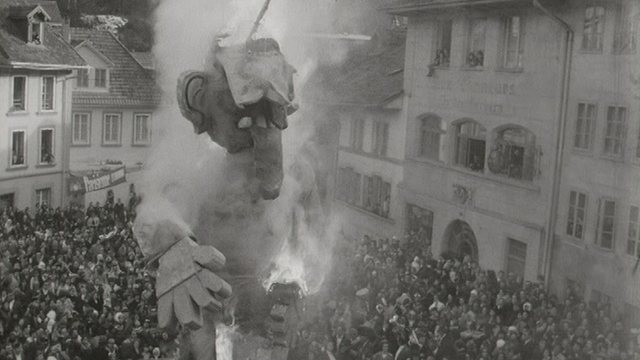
x: 523, y: 136
x: 112, y: 113
x: 36, y: 65
x: 596, y: 248
x: 365, y: 98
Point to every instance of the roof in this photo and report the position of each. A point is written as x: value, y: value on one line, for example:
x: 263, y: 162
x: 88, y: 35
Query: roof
x: 146, y: 59
x: 370, y: 79
x: 54, y: 53
x: 129, y: 82
x: 407, y: 7
x: 50, y: 7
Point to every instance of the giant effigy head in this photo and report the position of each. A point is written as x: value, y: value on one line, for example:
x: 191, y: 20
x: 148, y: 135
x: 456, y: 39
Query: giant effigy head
x: 242, y: 99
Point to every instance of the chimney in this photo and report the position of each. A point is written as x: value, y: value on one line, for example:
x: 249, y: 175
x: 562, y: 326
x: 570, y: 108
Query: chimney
x: 66, y: 32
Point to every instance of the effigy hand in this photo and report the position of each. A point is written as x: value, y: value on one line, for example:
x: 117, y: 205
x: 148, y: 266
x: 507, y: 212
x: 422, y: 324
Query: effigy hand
x: 186, y: 285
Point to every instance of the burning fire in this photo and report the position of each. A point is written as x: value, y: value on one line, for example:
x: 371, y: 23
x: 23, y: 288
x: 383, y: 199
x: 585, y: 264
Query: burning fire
x: 225, y: 334
x: 287, y: 267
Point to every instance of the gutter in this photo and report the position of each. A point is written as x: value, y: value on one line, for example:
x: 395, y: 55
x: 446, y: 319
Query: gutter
x: 37, y: 66
x: 560, y: 143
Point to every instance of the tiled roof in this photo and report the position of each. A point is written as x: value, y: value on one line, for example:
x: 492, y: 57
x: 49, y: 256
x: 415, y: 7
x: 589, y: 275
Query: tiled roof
x: 145, y: 59
x: 129, y: 82
x: 15, y: 51
x: 370, y: 79
x: 50, y: 7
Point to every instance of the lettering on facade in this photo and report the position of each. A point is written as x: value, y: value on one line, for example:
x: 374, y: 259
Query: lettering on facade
x: 462, y: 195
x: 483, y: 87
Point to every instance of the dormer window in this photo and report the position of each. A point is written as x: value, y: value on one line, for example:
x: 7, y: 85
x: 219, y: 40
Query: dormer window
x: 35, y: 33
x: 101, y: 78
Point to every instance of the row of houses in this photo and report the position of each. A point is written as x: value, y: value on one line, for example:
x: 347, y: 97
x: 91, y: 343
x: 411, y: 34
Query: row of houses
x: 505, y: 130
x: 73, y: 103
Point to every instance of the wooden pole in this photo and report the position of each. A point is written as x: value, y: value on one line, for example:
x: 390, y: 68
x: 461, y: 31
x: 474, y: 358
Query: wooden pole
x: 258, y: 19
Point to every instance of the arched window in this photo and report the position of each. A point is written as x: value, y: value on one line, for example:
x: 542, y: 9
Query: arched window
x: 514, y: 153
x: 471, y: 138
x: 430, y: 133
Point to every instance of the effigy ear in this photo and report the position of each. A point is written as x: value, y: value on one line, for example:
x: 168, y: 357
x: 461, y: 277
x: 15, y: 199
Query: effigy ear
x: 191, y: 91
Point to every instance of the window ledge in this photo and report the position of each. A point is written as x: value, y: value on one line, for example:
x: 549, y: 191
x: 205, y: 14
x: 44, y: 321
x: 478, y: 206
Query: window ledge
x: 359, y: 209
x: 487, y: 176
x: 17, y: 113
x: 440, y: 67
x: 141, y: 145
x: 47, y: 112
x: 590, y: 52
x: 467, y: 68
x: 613, y: 158
x: 353, y: 151
x: 510, y: 70
x: 17, y: 167
x: 46, y: 165
x: 577, y: 243
x: 111, y: 145
x: 581, y: 152
x: 81, y: 145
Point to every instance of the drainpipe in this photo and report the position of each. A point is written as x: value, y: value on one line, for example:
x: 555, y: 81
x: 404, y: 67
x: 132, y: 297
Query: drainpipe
x: 64, y: 155
x: 560, y: 142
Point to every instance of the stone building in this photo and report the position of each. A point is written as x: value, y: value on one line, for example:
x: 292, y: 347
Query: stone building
x: 522, y: 138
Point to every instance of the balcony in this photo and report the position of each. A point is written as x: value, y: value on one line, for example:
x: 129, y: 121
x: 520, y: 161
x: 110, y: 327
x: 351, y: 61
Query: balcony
x: 411, y: 7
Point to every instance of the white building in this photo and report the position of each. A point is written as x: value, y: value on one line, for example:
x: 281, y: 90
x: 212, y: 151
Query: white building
x: 35, y: 103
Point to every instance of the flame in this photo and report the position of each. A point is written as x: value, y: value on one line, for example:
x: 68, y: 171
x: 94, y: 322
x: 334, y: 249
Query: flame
x: 287, y: 267
x: 224, y: 340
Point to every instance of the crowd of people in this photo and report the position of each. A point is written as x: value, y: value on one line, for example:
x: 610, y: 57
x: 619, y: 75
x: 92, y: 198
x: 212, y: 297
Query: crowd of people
x: 395, y: 300
x: 73, y: 285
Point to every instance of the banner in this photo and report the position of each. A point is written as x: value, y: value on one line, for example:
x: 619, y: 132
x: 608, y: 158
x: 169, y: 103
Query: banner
x: 97, y: 181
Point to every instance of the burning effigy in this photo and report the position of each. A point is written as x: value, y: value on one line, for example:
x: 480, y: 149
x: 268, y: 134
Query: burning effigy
x: 242, y: 100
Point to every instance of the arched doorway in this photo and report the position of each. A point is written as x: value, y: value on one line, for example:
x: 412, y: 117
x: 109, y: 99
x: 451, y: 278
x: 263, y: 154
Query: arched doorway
x: 460, y: 241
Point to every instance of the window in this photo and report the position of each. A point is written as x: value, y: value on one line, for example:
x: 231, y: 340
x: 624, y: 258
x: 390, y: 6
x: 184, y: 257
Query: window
x: 593, y: 32
x: 47, y: 92
x: 443, y: 43
x: 100, y: 78
x: 376, y: 195
x: 606, y: 223
x: 349, y: 186
x: 18, y: 148
x: 43, y: 197
x: 638, y: 145
x: 574, y: 288
x: 6, y: 201
x: 576, y: 216
x: 357, y: 132
x: 82, y: 81
x: 584, y: 125
x: 81, y: 129
x: 19, y: 93
x: 615, y: 131
x: 513, y: 43
x: 142, y: 129
x: 633, y: 236
x: 111, y: 129
x: 625, y: 39
x: 430, y: 133
x: 46, y: 146
x: 35, y: 36
x: 475, y: 43
x: 420, y: 222
x: 380, y: 137
x: 514, y: 154
x: 470, y: 145
x: 516, y: 257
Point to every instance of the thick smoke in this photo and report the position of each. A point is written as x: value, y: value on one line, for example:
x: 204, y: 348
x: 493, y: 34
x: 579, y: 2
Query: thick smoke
x: 202, y: 181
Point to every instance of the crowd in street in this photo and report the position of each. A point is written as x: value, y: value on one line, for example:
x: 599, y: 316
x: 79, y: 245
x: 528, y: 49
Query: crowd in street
x: 403, y: 303
x: 74, y: 286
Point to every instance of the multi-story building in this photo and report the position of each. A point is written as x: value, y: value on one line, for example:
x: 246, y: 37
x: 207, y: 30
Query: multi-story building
x: 522, y: 138
x: 36, y: 65
x: 112, y: 120
x: 364, y: 96
x: 597, y: 244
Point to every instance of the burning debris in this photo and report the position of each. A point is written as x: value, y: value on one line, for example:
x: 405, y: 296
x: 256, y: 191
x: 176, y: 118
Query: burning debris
x: 242, y: 101
x: 284, y: 317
